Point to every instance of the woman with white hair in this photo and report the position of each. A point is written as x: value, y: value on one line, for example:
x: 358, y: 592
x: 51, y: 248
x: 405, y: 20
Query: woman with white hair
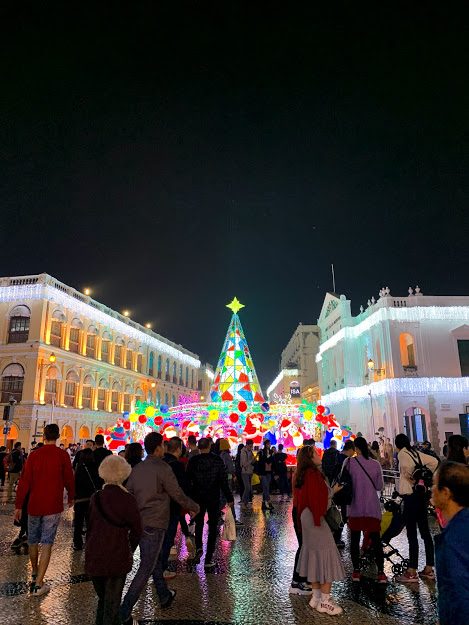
x: 115, y: 529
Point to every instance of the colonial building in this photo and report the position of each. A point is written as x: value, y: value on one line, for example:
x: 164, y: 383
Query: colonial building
x: 298, y: 374
x: 401, y: 364
x: 65, y: 357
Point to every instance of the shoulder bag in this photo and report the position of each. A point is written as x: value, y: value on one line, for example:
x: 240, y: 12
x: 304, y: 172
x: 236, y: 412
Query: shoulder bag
x: 344, y: 496
x: 367, y: 474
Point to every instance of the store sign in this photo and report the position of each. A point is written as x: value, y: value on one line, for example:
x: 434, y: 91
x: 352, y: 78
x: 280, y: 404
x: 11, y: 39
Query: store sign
x: 295, y: 390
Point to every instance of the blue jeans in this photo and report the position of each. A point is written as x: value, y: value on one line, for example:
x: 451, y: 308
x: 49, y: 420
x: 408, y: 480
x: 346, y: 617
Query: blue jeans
x: 247, y: 495
x: 150, y: 564
x: 168, y: 540
x: 265, y: 483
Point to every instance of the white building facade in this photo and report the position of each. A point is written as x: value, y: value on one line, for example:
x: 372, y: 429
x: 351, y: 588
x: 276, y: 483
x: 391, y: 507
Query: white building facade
x: 67, y: 358
x: 298, y: 369
x: 401, y: 365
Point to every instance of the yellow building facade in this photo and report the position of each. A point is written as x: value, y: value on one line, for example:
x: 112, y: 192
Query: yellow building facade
x: 66, y: 358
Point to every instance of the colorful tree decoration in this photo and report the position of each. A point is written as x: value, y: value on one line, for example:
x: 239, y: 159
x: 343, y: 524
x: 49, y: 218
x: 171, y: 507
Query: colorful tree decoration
x: 237, y: 410
x: 235, y: 377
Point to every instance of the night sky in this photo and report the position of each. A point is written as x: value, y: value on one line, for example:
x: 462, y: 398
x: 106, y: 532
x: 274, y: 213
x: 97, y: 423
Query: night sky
x: 173, y: 159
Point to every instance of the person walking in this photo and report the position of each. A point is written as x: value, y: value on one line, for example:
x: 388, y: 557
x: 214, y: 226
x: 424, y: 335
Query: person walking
x: 364, y: 511
x: 114, y: 514
x: 225, y: 455
x: 247, y: 470
x: 86, y: 484
x: 319, y: 560
x: 100, y: 452
x: 415, y: 509
x: 46, y: 474
x: 206, y: 477
x: 450, y: 493
x: 264, y: 470
x: 3, y: 455
x: 153, y: 484
x: 89, y: 444
x: 171, y: 457
x: 192, y: 446
x: 330, y: 461
x: 15, y: 466
x: 348, y: 451
x: 280, y: 469
x: 239, y: 479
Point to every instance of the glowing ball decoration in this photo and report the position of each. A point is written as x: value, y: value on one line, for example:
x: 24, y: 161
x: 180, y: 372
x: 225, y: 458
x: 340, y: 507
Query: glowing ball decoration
x: 149, y: 412
x: 158, y: 420
x: 242, y: 406
x: 126, y: 425
x: 142, y: 419
x: 320, y: 409
x: 265, y: 407
x: 234, y: 417
x: 308, y: 415
x: 164, y: 408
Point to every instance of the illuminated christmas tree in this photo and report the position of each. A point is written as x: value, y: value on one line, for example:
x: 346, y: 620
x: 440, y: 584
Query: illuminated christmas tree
x: 235, y: 377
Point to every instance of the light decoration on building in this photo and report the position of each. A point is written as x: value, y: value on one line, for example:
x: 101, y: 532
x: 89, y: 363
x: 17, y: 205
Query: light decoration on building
x: 42, y: 290
x: 236, y: 410
x: 404, y: 386
x: 285, y: 373
x: 411, y: 314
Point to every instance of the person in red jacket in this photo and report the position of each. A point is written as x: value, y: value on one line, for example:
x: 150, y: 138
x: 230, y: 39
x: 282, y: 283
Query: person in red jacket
x: 47, y: 472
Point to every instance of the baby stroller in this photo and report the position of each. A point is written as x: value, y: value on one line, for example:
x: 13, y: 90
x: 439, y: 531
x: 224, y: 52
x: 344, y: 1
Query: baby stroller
x: 392, y: 524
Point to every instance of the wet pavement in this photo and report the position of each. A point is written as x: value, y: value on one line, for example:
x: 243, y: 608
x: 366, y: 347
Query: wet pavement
x: 248, y: 587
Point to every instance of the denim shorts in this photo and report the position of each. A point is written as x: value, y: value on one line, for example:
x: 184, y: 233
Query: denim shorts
x: 42, y: 529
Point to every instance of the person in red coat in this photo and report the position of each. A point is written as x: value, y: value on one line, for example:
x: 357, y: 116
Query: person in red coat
x: 114, y: 531
x: 47, y: 472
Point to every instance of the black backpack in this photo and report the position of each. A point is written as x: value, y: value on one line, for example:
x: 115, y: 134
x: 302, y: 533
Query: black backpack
x: 422, y: 476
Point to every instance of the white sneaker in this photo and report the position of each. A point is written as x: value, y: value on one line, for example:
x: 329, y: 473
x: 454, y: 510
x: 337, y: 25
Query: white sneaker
x: 329, y: 607
x: 315, y: 600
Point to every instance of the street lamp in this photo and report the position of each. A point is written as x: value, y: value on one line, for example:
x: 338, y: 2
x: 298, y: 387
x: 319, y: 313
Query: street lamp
x: 153, y: 384
x: 148, y: 326
x: 87, y: 291
x: 52, y: 358
x: 126, y: 313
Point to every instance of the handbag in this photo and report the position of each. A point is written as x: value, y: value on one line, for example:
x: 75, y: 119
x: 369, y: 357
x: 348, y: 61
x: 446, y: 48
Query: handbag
x: 344, y: 496
x: 333, y: 518
x: 229, y: 528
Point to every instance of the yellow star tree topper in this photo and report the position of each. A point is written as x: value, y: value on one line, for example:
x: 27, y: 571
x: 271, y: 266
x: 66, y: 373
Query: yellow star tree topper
x: 235, y: 305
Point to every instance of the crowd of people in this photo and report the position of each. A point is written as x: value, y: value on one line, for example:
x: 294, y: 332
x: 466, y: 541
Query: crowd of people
x: 141, y: 496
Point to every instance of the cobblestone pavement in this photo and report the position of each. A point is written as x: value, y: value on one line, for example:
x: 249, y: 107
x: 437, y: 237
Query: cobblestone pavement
x: 249, y: 585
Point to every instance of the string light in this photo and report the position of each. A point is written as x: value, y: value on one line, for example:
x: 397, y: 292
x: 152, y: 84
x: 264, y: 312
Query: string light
x: 409, y: 386
x: 42, y: 290
x: 284, y: 373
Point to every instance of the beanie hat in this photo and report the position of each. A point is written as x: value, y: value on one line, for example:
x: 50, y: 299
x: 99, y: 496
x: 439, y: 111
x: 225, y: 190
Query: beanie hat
x: 114, y: 469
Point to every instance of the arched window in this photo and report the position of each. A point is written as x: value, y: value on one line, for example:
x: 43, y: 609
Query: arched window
x: 128, y: 358
x: 91, y: 342
x: 174, y: 373
x: 12, y: 383
x: 166, y: 370
x: 118, y: 352
x: 84, y: 433
x: 71, y: 382
x: 102, y: 386
x: 407, y: 347
x: 57, y: 323
x: 166, y: 398
x: 50, y: 395
x: 106, y: 347
x: 74, y: 340
x: 173, y: 400
x: 115, y: 397
x: 67, y: 435
x: 158, y: 398
x: 127, y: 398
x: 158, y: 373
x: 18, y: 330
x: 192, y: 378
x: 139, y: 362
x: 187, y: 376
x: 180, y: 375
x: 86, y: 394
x: 150, y: 363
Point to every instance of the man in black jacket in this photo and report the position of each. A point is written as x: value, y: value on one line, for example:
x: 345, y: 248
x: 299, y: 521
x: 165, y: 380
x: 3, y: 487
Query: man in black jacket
x: 172, y: 455
x: 206, y: 477
x: 330, y: 460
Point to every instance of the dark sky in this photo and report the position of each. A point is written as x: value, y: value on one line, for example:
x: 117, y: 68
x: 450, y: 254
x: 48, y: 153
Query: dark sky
x: 171, y: 160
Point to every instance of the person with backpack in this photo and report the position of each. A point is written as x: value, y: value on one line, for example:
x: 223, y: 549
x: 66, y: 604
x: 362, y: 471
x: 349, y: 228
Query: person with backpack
x: 87, y: 482
x: 415, y: 481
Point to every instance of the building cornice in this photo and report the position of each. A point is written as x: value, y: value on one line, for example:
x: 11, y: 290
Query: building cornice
x: 43, y: 286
